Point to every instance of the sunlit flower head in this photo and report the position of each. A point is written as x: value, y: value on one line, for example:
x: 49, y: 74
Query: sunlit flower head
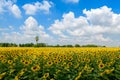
x: 10, y: 61
x: 101, y: 65
x: 35, y: 68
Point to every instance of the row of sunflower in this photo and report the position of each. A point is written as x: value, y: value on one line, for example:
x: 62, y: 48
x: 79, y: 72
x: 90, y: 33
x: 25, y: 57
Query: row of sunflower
x: 59, y: 63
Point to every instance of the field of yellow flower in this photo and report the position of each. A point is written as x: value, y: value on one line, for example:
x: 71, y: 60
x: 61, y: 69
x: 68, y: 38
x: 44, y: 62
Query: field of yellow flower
x: 59, y: 63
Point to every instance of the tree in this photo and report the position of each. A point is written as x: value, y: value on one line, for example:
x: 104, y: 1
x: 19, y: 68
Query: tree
x: 57, y: 45
x: 69, y: 45
x: 90, y: 45
x: 41, y: 45
x: 37, y: 39
x: 77, y: 45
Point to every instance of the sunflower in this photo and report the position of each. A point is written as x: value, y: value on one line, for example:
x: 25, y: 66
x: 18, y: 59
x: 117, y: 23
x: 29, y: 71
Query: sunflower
x: 58, y: 71
x: 118, y: 57
x: 101, y: 74
x: 12, y: 71
x: 35, y: 68
x: 79, y: 75
x: 4, y: 61
x: 26, y: 63
x: 76, y: 66
x: 59, y: 60
x: 107, y: 71
x: 56, y: 61
x: 63, y: 64
x: 10, y: 61
x: 70, y: 59
x: 46, y: 75
x: 23, y: 60
x: 49, y: 63
x: 22, y: 72
x: 30, y: 61
x: 52, y: 79
x: 16, y: 78
x: 2, y: 57
x: 15, y: 58
x: 101, y: 65
x: 69, y: 64
x: 99, y: 61
x: 34, y: 57
x: 64, y: 57
x: 2, y: 75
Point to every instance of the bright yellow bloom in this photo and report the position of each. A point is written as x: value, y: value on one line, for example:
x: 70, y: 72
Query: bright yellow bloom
x: 58, y: 71
x: 10, y: 61
x: 101, y: 65
x: 16, y: 78
x: 11, y: 71
x: 61, y: 59
x: 52, y: 79
x: 76, y: 66
x: 49, y: 63
x: 108, y: 71
x: 79, y: 75
x: 4, y: 61
x: 69, y: 64
x: 46, y: 75
x: 26, y: 63
x: 2, y: 57
x: 35, y: 68
x: 2, y: 75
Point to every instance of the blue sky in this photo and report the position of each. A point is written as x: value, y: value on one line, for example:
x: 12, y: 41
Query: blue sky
x: 60, y: 21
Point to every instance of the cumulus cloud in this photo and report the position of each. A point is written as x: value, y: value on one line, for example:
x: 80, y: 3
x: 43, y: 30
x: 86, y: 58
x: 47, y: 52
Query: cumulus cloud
x: 15, y: 10
x: 6, y: 6
x: 1, y: 6
x: 32, y: 28
x: 101, y: 16
x: 31, y: 9
x: 26, y: 34
x: 98, y: 25
x: 71, y: 1
x: 69, y: 24
x: 104, y: 18
x: 7, y: 29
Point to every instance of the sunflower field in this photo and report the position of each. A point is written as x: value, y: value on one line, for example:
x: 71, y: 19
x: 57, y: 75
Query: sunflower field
x: 59, y: 63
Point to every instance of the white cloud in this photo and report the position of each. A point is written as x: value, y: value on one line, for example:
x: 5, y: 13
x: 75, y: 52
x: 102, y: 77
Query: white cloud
x: 11, y: 27
x: 15, y: 10
x: 31, y: 9
x: 7, y: 29
x: 98, y: 26
x: 31, y: 27
x: 100, y: 37
x: 104, y: 18
x: 71, y: 1
x: 6, y: 6
x: 3, y: 29
x: 1, y: 6
x: 27, y: 33
x: 101, y: 16
x: 69, y: 24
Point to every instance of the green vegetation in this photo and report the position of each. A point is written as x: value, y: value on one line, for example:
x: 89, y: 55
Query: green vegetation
x: 59, y: 63
x: 45, y: 45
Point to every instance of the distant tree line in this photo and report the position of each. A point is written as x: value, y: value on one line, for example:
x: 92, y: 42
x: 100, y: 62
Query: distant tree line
x: 45, y: 45
x: 8, y: 45
x: 33, y: 45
